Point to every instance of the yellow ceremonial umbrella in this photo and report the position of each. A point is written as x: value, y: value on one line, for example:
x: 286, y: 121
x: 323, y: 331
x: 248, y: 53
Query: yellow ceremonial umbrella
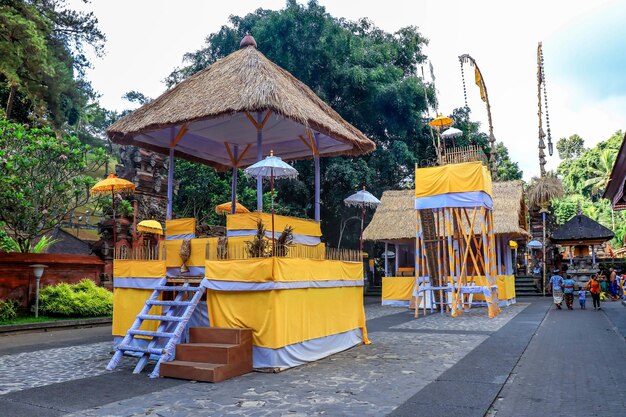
x: 226, y: 208
x: 441, y: 122
x: 150, y: 226
x: 113, y: 184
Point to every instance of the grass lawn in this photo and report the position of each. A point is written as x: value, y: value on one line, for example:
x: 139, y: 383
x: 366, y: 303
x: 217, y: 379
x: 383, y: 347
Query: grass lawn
x: 41, y: 319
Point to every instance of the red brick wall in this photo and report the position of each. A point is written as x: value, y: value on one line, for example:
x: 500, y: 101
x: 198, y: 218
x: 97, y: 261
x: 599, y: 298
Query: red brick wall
x: 18, y: 282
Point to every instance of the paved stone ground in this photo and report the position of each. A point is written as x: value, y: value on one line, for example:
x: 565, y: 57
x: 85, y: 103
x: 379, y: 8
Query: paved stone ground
x: 406, y: 355
x: 574, y: 366
x: 531, y: 361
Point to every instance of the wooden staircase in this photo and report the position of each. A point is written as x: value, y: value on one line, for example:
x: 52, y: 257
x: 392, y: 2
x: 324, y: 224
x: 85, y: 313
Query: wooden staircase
x: 213, y: 354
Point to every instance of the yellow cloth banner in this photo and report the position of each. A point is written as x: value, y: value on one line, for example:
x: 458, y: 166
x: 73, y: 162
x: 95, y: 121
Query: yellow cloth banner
x: 284, y: 317
x: 138, y: 269
x: 480, y: 83
x: 506, y: 287
x: 282, y: 270
x: 248, y: 221
x: 286, y: 269
x: 197, y: 256
x: 454, y: 178
x: 237, y: 249
x: 242, y: 270
x: 127, y: 303
x: 398, y: 288
x: 180, y: 227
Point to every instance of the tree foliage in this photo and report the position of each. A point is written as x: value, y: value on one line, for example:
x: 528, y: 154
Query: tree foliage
x: 570, y: 148
x: 42, y: 45
x: 42, y: 179
x: 585, y: 173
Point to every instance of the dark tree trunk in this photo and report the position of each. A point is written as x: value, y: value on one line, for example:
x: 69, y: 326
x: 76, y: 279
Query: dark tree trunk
x: 12, y: 92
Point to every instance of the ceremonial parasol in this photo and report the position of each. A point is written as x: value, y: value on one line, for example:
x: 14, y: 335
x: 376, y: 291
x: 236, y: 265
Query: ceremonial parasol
x: 113, y: 184
x: 452, y: 133
x: 272, y: 167
x: 226, y: 208
x: 362, y: 199
x: 440, y: 122
x: 150, y: 226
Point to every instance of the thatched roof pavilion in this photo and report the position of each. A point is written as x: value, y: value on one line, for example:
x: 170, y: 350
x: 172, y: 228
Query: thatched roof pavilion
x: 227, y: 103
x: 394, y: 219
x: 234, y: 112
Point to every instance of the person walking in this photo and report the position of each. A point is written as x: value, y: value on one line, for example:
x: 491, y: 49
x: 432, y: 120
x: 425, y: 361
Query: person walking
x: 555, y: 286
x: 582, y: 298
x: 568, y: 292
x: 594, y: 288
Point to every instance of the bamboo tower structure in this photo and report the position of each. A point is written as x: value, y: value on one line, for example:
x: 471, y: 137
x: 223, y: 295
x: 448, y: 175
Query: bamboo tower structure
x: 455, y: 253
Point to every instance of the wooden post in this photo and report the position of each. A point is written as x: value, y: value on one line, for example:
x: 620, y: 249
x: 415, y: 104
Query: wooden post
x: 233, y: 192
x: 397, y: 247
x: 317, y: 177
x: 259, y: 156
x: 386, y: 259
x: 170, y: 185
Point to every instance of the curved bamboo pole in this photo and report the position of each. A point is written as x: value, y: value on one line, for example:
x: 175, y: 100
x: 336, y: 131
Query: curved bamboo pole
x: 466, y: 58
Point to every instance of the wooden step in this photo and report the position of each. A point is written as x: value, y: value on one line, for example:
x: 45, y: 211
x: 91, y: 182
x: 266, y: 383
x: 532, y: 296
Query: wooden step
x: 195, y: 371
x: 219, y: 335
x: 208, y: 352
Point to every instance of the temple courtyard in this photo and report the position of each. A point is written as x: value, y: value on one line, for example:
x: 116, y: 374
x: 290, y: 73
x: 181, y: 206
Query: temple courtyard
x: 530, y: 360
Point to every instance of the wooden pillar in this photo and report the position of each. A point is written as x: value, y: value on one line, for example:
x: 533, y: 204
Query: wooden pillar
x: 397, y: 246
x: 259, y: 156
x: 170, y: 185
x: 386, y: 259
x: 316, y: 158
x: 233, y: 192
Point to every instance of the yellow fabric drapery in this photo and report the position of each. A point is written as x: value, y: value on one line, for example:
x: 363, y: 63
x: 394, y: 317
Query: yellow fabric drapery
x: 453, y: 178
x: 197, y: 256
x: 286, y: 269
x: 248, y: 221
x: 284, y: 317
x: 142, y: 269
x: 180, y: 227
x: 401, y: 288
x: 480, y: 83
x: 240, y: 270
x: 282, y: 270
x: 398, y: 288
x: 127, y: 303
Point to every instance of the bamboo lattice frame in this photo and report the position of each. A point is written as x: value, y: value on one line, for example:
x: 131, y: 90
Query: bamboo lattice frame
x: 450, y: 257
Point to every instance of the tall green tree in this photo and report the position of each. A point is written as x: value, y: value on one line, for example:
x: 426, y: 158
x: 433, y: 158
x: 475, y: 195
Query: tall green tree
x: 42, y: 44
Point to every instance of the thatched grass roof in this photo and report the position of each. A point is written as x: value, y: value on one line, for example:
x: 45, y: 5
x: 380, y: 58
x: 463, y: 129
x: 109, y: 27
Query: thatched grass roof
x: 213, y: 104
x: 394, y: 218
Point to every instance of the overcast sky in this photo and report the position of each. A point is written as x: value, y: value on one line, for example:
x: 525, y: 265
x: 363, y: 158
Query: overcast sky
x: 584, y: 46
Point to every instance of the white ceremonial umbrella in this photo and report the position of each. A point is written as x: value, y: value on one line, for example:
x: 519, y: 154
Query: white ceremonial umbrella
x: 362, y: 199
x: 452, y: 132
x: 271, y: 167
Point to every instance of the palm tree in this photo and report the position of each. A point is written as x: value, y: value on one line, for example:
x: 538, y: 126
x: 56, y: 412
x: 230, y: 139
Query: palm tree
x: 601, y: 172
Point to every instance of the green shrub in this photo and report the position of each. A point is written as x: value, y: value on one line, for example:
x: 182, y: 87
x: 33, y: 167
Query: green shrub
x: 84, y: 299
x: 8, y: 310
